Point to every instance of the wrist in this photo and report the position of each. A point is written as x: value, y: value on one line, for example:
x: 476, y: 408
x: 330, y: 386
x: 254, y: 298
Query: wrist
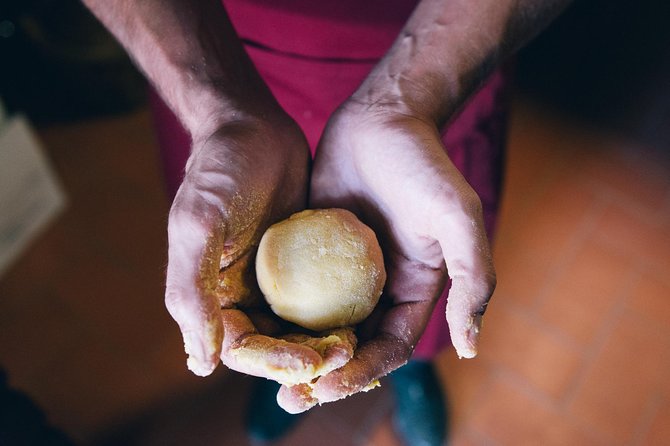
x: 192, y: 55
x: 384, y: 93
x: 205, y: 108
x: 442, y: 55
x: 207, y: 91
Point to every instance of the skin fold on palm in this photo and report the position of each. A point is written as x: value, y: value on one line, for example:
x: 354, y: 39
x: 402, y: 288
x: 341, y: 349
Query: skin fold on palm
x: 229, y: 196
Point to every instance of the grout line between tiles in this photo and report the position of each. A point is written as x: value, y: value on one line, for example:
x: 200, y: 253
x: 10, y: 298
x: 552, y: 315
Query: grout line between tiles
x: 525, y: 387
x: 531, y: 313
x: 479, y: 395
x: 479, y: 437
x: 587, y: 227
x: 598, y: 346
x: 627, y: 203
x: 651, y: 266
x: 646, y: 419
x: 658, y: 215
x: 549, y: 403
x: 554, y: 333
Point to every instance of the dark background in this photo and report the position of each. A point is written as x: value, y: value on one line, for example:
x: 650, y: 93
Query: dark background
x: 603, y: 62
x: 607, y: 63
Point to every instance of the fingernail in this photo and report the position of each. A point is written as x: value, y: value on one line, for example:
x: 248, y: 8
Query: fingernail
x: 198, y: 367
x: 469, y: 350
x: 197, y: 358
x: 473, y: 334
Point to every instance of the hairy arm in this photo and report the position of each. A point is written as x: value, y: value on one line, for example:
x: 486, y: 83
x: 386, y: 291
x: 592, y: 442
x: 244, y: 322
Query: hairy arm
x: 444, y: 52
x: 248, y: 168
x: 382, y: 156
x: 447, y: 48
x: 192, y: 55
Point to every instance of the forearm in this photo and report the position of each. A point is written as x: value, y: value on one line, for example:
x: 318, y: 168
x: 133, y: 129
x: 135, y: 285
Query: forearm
x: 191, y: 53
x: 447, y: 48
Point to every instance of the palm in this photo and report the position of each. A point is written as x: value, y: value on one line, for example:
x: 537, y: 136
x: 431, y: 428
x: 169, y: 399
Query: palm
x: 239, y: 181
x: 393, y: 172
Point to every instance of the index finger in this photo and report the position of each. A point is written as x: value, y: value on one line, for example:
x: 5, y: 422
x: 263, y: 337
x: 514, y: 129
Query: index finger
x: 189, y: 295
x: 466, y: 251
x: 291, y: 359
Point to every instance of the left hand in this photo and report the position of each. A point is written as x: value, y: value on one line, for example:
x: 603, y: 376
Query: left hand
x: 390, y: 168
x: 240, y: 179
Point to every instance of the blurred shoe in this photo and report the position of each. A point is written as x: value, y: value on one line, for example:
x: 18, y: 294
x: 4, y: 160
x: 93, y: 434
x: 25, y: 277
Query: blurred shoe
x: 421, y: 413
x: 266, y: 422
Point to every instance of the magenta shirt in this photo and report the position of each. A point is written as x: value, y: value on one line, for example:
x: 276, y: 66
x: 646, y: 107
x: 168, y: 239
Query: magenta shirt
x: 328, y: 29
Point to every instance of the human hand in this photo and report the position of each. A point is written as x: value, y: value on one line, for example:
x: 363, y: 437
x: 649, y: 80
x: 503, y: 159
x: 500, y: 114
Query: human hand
x: 240, y: 178
x: 389, y: 167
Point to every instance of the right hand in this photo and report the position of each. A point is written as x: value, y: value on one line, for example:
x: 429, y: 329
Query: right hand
x: 240, y: 178
x: 390, y: 168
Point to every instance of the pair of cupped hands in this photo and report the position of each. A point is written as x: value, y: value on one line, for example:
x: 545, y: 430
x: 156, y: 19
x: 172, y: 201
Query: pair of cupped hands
x: 386, y: 165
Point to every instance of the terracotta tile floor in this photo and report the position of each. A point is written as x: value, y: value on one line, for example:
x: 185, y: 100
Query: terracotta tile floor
x: 576, y: 347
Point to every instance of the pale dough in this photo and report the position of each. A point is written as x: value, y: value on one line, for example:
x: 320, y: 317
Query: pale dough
x: 321, y: 269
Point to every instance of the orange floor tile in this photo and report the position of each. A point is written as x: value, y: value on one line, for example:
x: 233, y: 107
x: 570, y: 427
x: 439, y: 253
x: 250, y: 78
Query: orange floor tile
x: 576, y: 346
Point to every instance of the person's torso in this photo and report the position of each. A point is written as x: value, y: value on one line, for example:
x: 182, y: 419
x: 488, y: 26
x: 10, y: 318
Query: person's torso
x: 337, y: 29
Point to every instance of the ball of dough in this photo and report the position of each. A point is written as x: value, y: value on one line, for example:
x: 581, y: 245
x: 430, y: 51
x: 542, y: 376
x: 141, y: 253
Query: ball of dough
x: 321, y: 269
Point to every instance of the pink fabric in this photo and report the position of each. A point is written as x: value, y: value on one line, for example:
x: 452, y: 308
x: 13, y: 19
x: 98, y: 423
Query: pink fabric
x: 313, y: 59
x: 332, y: 29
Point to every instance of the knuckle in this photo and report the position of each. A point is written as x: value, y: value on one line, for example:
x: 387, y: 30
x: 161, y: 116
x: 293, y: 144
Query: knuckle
x: 178, y: 218
x: 400, y: 349
x: 171, y: 298
x: 484, y: 287
x: 184, y: 226
x: 173, y: 303
x: 483, y: 292
x: 490, y: 282
x: 471, y: 204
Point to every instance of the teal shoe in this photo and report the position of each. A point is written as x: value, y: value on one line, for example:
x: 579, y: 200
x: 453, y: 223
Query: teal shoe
x: 265, y: 420
x: 421, y: 413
